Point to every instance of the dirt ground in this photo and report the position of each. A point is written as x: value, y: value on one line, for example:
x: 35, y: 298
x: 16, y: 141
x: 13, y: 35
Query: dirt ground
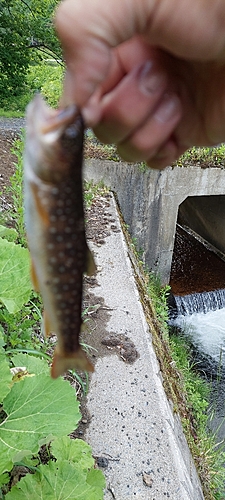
x: 7, y: 160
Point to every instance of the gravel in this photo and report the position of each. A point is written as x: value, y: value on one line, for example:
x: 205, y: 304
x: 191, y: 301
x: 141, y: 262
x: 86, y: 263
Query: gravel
x: 11, y: 124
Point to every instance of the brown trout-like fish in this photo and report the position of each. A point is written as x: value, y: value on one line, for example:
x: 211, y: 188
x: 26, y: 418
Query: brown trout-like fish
x: 54, y: 220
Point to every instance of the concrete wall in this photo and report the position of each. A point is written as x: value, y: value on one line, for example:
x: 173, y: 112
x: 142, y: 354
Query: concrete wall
x: 150, y: 200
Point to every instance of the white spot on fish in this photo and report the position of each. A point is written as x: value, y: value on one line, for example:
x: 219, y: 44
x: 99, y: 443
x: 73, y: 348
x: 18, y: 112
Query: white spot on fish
x: 52, y: 218
x: 67, y: 229
x: 69, y: 244
x: 59, y: 211
x: 52, y: 230
x: 50, y: 246
x: 60, y: 203
x: 52, y: 260
x: 61, y: 254
x: 55, y: 190
x: 55, y: 279
x: 59, y: 238
x: 65, y: 287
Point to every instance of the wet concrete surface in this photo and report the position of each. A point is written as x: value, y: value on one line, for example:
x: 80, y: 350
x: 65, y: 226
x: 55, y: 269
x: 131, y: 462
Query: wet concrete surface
x: 132, y: 429
x: 195, y: 268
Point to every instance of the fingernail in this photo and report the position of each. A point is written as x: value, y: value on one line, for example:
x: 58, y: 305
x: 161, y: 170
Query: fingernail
x: 168, y: 109
x: 151, y: 79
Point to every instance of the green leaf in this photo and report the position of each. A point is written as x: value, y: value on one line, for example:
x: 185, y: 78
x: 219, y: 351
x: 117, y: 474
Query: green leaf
x: 32, y: 364
x: 96, y: 478
x: 56, y: 481
x: 5, y: 377
x: 8, y: 232
x: 15, y: 284
x: 38, y: 410
x: 73, y: 450
x: 4, y: 479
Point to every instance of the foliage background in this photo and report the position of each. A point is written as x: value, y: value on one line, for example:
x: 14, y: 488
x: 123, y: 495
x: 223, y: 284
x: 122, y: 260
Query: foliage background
x: 26, y: 36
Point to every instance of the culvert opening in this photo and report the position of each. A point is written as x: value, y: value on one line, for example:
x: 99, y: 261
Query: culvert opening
x: 198, y: 263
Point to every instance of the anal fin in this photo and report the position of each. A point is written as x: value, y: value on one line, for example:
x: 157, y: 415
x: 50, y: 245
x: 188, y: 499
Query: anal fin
x: 47, y: 325
x: 90, y: 263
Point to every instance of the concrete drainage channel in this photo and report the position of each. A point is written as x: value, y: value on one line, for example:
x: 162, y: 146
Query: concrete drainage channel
x: 132, y: 426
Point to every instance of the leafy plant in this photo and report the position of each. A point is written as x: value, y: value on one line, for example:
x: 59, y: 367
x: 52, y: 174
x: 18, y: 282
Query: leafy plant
x: 70, y: 476
x: 36, y: 410
x: 22, y: 330
x: 9, y: 233
x: 15, y: 285
x: 27, y: 34
x: 47, y: 79
x: 159, y: 296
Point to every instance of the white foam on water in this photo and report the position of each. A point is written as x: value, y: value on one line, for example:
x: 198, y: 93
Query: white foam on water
x: 206, y: 331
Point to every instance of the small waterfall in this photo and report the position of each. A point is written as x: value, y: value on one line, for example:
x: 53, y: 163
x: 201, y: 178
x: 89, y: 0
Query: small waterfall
x: 200, y: 302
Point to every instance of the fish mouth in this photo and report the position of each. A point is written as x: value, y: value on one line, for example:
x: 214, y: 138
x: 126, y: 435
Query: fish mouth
x: 50, y: 123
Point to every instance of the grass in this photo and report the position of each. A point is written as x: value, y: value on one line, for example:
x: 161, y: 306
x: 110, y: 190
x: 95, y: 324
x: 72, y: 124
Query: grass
x: 203, y: 157
x: 92, y: 190
x: 4, y: 113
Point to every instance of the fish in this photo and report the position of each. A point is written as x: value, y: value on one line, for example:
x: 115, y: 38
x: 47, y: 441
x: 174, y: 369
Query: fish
x: 55, y: 229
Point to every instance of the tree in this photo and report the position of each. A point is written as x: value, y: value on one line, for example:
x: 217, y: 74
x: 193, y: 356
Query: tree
x: 25, y: 26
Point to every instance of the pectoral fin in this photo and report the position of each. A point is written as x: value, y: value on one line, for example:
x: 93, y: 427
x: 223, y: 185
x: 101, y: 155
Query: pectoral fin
x: 43, y: 214
x: 34, y: 278
x: 74, y: 361
x: 90, y: 263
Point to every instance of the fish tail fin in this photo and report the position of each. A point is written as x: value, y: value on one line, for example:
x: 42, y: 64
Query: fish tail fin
x: 77, y: 361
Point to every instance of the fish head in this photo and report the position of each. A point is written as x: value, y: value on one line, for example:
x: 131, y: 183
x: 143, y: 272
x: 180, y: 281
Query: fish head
x: 54, y: 139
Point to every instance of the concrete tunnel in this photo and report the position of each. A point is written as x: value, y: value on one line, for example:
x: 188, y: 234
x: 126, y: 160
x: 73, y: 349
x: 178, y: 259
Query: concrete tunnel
x: 206, y: 216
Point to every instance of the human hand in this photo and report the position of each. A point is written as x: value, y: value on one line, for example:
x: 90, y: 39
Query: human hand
x: 149, y: 75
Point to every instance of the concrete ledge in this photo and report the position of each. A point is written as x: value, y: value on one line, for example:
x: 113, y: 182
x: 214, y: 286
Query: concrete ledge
x: 132, y: 424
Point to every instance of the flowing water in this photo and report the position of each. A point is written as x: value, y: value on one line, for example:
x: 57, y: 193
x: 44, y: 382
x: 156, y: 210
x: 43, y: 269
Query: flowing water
x: 198, y: 285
